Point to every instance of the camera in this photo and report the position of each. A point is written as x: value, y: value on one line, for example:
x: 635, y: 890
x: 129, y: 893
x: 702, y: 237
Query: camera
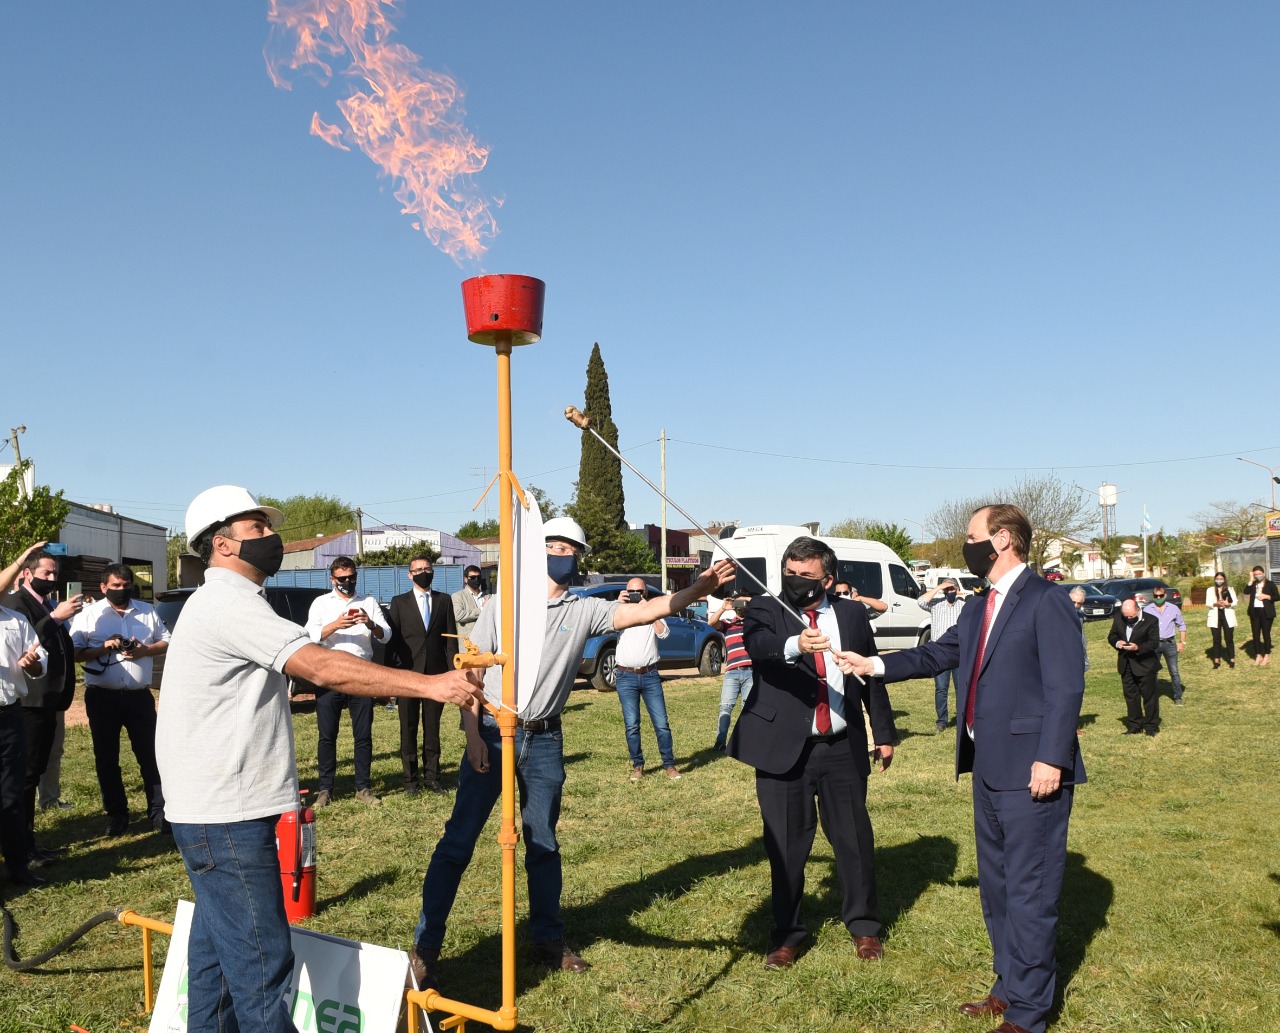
x: 635, y: 597
x: 128, y: 645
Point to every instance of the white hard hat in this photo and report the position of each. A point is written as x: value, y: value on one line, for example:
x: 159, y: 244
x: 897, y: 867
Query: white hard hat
x: 568, y: 529
x: 213, y: 506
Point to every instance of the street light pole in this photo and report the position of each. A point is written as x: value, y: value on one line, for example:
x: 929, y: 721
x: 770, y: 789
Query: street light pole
x: 1274, y: 479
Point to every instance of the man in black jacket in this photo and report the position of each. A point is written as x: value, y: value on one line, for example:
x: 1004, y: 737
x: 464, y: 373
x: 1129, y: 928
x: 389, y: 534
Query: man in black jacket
x: 1136, y: 638
x: 48, y: 697
x: 424, y: 639
x: 802, y: 729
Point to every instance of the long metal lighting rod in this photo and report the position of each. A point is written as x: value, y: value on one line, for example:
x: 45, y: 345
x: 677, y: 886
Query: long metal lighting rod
x: 583, y: 422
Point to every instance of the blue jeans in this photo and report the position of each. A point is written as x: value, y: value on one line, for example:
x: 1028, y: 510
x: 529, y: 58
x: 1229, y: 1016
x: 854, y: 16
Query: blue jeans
x: 737, y: 683
x: 1168, y: 648
x: 632, y: 688
x: 941, y: 684
x: 540, y: 780
x: 239, y: 958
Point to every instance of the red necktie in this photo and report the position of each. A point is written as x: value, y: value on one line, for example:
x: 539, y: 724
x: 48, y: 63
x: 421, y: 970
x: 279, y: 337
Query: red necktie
x: 822, y: 712
x: 987, y: 614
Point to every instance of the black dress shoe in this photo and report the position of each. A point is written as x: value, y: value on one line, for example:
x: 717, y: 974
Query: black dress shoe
x: 434, y: 787
x: 27, y: 878
x: 425, y: 966
x: 118, y: 825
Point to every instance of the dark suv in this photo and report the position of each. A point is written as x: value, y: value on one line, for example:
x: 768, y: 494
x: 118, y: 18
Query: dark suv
x: 1127, y: 587
x: 292, y: 604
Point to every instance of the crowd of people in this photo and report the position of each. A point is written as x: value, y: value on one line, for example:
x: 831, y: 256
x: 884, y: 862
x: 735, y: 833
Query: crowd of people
x: 218, y: 762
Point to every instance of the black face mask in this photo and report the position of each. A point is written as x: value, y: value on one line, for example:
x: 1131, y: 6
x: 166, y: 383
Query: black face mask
x: 979, y: 557
x: 346, y: 585
x: 43, y: 586
x: 423, y: 579
x: 263, y: 554
x: 802, y: 592
x: 118, y: 596
x: 1131, y: 620
x: 475, y: 581
x: 949, y: 596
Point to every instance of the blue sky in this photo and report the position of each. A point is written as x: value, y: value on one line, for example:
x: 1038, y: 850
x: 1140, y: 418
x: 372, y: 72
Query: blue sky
x: 938, y: 245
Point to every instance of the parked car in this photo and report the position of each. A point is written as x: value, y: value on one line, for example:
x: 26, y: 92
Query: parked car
x: 292, y: 604
x: 1127, y: 587
x: 1097, y: 604
x: 690, y: 642
x: 1054, y: 575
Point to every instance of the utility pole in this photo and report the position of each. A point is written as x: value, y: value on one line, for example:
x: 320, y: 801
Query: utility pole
x: 360, y: 534
x: 663, y: 439
x: 17, y: 455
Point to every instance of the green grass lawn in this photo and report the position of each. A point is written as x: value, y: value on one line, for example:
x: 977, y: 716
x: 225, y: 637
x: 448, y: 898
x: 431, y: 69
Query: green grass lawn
x: 1170, y: 914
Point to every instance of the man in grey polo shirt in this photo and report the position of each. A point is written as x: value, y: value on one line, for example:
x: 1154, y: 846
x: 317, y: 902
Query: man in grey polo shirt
x: 224, y: 743
x: 571, y: 620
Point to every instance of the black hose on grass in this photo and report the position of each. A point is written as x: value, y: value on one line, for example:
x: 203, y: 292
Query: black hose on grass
x: 11, y: 928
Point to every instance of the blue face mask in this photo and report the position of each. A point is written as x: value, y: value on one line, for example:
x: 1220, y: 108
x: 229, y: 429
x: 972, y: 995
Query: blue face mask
x: 561, y: 569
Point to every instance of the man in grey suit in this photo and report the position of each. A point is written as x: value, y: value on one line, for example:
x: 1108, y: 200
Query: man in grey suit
x: 468, y: 601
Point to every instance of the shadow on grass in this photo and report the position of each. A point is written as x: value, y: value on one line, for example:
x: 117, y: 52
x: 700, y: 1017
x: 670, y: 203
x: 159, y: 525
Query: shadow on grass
x: 609, y: 917
x: 903, y: 873
x: 1082, y: 912
x: 372, y: 883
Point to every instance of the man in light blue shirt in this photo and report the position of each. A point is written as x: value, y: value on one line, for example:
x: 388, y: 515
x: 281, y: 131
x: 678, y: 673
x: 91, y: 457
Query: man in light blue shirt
x: 1173, y: 636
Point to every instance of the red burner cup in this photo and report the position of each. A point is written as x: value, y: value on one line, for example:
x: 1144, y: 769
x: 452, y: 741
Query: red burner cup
x: 503, y: 307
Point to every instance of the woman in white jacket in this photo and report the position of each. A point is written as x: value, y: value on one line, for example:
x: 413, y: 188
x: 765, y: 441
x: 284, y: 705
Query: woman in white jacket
x: 1222, y: 619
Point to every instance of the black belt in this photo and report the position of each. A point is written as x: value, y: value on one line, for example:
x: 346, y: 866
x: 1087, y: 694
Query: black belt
x: 109, y: 688
x: 1169, y: 639
x: 833, y: 737
x: 547, y: 724
x: 636, y: 670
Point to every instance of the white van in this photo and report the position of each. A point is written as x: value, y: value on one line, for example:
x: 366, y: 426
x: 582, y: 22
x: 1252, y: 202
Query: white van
x: 964, y: 578
x: 872, y: 568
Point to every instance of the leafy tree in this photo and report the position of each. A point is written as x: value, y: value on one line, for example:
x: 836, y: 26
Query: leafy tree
x: 306, y: 516
x: 174, y: 548
x: 548, y: 508
x: 1110, y: 549
x: 26, y: 519
x: 1068, y: 559
x: 1161, y: 549
x: 1230, y: 519
x: 478, y: 529
x: 849, y: 527
x: 598, y: 503
x: 1055, y: 508
x: 621, y: 552
x: 397, y: 555
x: 897, y: 538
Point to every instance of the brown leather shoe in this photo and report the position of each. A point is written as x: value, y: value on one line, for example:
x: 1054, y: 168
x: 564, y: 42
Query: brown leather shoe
x: 425, y: 966
x: 780, y: 958
x: 869, y: 948
x: 1009, y: 1027
x: 992, y: 1006
x: 558, y: 954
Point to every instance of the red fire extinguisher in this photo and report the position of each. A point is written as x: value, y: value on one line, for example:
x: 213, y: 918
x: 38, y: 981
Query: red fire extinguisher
x: 296, y: 846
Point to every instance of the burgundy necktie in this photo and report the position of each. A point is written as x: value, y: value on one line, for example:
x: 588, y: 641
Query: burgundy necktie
x: 987, y: 614
x: 822, y: 712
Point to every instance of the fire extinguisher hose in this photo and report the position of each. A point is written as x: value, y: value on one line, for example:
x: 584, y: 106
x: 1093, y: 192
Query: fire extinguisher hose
x: 11, y: 931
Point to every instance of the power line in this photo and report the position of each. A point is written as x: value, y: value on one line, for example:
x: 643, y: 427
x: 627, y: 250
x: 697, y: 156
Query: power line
x: 968, y: 469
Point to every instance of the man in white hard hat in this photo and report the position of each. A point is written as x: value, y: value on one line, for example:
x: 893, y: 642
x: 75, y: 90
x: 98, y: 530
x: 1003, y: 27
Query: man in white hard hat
x: 571, y: 620
x: 226, y: 755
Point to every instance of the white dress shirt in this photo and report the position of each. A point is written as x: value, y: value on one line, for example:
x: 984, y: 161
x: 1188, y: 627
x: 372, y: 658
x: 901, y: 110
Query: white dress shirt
x: 357, y: 639
x: 829, y: 626
x: 99, y: 621
x: 16, y: 637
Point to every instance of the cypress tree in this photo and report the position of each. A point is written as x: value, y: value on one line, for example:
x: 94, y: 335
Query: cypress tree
x: 599, y: 504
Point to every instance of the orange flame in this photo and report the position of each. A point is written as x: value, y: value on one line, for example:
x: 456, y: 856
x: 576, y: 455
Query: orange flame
x: 408, y: 120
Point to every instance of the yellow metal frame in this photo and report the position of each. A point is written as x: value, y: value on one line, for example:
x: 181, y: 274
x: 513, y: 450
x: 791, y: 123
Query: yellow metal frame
x: 148, y: 926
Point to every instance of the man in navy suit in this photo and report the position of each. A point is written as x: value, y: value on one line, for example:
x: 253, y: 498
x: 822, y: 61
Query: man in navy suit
x: 801, y: 728
x: 1020, y: 682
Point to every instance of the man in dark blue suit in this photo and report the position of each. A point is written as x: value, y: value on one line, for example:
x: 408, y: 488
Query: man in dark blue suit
x: 802, y: 729
x: 1020, y: 682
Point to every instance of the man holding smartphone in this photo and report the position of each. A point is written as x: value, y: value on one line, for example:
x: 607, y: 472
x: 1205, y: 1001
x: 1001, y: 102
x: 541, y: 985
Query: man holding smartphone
x: 348, y: 624
x: 637, y: 679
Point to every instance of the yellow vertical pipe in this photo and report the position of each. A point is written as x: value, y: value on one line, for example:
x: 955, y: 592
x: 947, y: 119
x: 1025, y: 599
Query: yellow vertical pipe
x: 507, y: 715
x: 148, y: 978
